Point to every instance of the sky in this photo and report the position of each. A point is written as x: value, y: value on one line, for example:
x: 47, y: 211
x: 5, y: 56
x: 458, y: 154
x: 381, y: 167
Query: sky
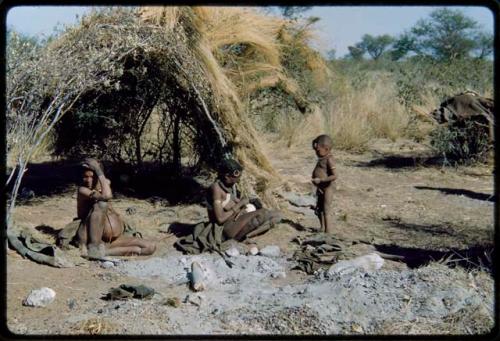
x: 338, y: 27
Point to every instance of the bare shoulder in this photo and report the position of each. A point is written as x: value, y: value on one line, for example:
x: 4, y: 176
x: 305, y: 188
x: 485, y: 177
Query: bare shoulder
x: 330, y: 159
x: 82, y: 190
x: 216, y: 190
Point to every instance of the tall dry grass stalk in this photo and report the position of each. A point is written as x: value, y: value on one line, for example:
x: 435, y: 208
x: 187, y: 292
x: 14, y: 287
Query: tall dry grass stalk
x: 294, y: 132
x: 354, y: 116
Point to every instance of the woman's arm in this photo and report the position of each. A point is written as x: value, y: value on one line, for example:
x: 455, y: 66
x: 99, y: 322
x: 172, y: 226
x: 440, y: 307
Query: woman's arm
x: 220, y: 214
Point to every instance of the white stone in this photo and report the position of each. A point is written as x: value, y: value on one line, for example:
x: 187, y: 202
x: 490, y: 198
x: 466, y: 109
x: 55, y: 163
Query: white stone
x: 270, y: 251
x: 280, y: 274
x: 107, y: 264
x: 40, y: 297
x: 369, y: 262
x: 232, y: 252
x: 253, y: 250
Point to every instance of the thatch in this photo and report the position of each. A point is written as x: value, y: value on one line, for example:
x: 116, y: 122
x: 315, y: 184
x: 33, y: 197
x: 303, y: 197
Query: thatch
x: 177, y: 76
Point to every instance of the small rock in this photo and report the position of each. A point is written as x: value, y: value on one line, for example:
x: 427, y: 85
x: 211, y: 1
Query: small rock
x: 253, y: 250
x: 232, y: 252
x: 131, y: 211
x: 369, y: 262
x: 71, y: 303
x: 40, y: 297
x: 107, y: 265
x: 26, y: 194
x: 165, y: 228
x: 194, y: 300
x: 299, y: 200
x: 356, y: 328
x: 173, y: 302
x: 279, y: 274
x: 270, y: 251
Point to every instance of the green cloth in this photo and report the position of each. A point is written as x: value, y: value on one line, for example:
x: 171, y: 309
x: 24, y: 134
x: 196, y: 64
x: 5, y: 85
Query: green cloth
x: 316, y: 251
x: 27, y: 246
x: 206, y: 236
x: 125, y: 291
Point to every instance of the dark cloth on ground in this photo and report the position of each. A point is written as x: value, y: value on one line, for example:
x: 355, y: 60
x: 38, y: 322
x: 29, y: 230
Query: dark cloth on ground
x: 317, y: 251
x: 40, y: 252
x: 125, y: 291
x: 206, y: 236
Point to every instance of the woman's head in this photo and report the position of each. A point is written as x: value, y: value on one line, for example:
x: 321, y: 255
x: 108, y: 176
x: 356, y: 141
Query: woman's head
x: 230, y: 171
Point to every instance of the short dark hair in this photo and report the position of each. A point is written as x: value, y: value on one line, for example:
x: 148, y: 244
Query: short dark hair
x: 324, y: 140
x: 229, y: 166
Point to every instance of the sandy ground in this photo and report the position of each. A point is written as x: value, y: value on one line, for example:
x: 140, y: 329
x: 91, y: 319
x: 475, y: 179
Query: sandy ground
x: 423, y: 213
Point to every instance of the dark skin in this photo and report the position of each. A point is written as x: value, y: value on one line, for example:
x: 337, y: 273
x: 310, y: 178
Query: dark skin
x: 102, y: 231
x: 237, y: 223
x: 323, y: 177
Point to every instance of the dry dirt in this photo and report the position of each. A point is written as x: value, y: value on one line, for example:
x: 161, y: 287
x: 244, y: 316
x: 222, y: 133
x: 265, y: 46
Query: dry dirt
x: 422, y: 213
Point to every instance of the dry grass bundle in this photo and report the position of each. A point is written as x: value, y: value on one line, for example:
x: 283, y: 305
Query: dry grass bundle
x: 471, y: 321
x: 95, y: 326
x: 298, y: 40
x: 359, y: 115
x: 158, y: 64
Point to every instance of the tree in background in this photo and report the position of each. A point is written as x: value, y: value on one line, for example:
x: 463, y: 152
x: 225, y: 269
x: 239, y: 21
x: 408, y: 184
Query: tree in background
x: 484, y: 44
x: 293, y: 12
x: 331, y: 54
x: 356, y: 52
x: 447, y: 34
x: 375, y: 46
x: 402, y: 46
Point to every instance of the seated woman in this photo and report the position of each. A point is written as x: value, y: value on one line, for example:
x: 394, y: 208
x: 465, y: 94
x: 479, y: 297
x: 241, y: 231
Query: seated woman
x: 101, y: 228
x: 225, y: 208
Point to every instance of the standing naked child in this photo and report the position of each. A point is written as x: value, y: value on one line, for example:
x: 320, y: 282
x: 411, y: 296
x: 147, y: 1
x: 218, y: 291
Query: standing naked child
x: 239, y: 218
x: 101, y: 229
x: 323, y: 177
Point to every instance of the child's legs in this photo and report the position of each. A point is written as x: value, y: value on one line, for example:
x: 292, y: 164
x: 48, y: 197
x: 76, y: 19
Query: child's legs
x: 320, y: 210
x: 328, y: 210
x: 127, y: 245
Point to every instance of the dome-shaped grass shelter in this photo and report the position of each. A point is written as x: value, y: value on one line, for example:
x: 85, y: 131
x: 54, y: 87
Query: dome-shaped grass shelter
x: 157, y: 84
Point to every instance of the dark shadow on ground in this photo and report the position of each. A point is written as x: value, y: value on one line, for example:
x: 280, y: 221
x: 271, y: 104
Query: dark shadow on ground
x: 434, y: 229
x: 397, y: 162
x: 181, y: 229
x: 298, y: 226
x: 465, y: 192
x: 478, y: 256
x: 47, y: 230
x: 47, y: 179
x: 152, y: 182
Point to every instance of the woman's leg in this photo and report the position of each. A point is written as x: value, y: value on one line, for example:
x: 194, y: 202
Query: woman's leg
x: 249, y: 222
x: 127, y: 246
x: 232, y: 229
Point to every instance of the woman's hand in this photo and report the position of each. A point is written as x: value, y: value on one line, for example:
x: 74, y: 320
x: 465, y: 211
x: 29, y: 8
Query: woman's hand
x: 94, y: 165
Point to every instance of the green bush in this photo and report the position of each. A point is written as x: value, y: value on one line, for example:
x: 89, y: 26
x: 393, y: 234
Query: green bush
x: 466, y: 143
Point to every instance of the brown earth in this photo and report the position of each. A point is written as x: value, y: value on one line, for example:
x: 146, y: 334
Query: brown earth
x: 390, y: 204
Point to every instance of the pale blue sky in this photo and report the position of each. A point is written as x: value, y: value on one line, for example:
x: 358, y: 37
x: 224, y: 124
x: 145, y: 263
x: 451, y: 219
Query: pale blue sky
x: 339, y: 27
